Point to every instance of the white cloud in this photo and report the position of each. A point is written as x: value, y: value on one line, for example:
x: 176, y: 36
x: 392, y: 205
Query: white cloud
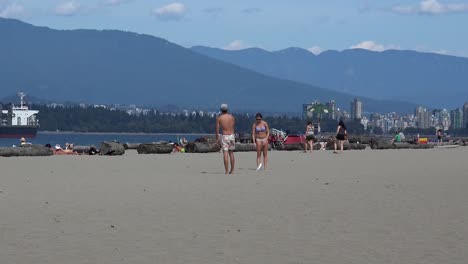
x: 174, y: 11
x: 236, y: 45
x: 315, y: 50
x: 12, y: 11
x: 68, y: 9
x: 431, y: 7
x: 373, y: 46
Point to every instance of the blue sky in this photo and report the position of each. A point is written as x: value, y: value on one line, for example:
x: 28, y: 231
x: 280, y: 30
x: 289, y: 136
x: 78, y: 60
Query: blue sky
x: 424, y: 25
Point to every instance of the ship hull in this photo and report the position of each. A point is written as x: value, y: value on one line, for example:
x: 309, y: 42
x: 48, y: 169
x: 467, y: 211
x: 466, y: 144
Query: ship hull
x: 18, y: 131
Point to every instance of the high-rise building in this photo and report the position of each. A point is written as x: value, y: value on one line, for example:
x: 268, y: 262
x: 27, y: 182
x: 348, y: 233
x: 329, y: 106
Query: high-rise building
x: 332, y: 109
x: 422, y: 117
x: 456, y: 119
x: 465, y: 115
x: 356, y: 109
x: 444, y: 119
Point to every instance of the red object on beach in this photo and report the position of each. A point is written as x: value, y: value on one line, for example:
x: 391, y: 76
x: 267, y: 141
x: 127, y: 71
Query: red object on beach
x: 294, y: 139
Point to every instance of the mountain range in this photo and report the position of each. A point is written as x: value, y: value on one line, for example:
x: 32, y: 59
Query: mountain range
x: 111, y: 66
x: 426, y: 78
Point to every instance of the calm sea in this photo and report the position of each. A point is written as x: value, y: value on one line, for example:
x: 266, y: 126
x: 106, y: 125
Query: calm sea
x: 87, y: 139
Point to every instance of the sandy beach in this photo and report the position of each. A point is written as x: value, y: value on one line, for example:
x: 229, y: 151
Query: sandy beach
x: 392, y: 206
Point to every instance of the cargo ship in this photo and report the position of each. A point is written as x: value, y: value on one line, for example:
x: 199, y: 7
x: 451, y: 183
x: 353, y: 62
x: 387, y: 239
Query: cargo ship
x: 18, y: 121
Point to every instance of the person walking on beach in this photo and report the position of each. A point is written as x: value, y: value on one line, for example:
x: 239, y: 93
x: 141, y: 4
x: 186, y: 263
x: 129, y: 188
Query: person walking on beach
x: 260, y: 135
x: 341, y: 134
x: 309, y: 137
x: 439, y: 137
x: 226, y: 122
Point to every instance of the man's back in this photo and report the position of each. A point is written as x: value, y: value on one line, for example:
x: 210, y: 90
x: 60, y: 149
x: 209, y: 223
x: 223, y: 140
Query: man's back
x: 226, y: 121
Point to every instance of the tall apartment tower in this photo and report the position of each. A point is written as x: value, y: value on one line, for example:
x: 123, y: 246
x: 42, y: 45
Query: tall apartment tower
x: 422, y: 117
x: 332, y: 108
x: 465, y: 115
x: 356, y: 109
x: 456, y: 119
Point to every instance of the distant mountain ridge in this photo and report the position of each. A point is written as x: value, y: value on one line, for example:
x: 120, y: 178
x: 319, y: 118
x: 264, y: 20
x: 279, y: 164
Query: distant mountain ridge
x: 427, y: 78
x: 113, y: 66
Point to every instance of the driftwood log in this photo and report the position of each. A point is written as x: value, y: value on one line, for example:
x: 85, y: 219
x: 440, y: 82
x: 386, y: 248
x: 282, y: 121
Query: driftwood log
x: 398, y: 145
x: 359, y: 139
x: 245, y: 147
x: 381, y: 145
x: 32, y: 150
x: 202, y: 147
x: 155, y: 148
x: 112, y: 149
x: 422, y: 146
x: 401, y: 145
x: 207, y: 139
x: 131, y: 145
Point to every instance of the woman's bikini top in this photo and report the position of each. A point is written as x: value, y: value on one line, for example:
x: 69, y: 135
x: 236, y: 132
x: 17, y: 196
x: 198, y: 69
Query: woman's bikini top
x: 260, y: 129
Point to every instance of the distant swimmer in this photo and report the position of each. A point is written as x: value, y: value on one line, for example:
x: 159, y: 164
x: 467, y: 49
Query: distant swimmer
x: 226, y: 122
x: 260, y: 135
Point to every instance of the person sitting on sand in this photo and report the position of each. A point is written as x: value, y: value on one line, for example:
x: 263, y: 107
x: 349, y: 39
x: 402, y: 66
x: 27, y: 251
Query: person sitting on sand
x: 402, y: 136
x: 67, y: 151
x: 69, y: 148
x: 397, y: 138
x: 23, y: 142
x: 183, y: 141
x: 177, y: 147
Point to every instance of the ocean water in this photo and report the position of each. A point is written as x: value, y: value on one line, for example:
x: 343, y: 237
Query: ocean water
x: 86, y: 139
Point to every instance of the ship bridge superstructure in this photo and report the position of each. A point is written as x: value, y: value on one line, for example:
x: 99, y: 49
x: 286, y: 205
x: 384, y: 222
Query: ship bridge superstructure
x: 19, y: 115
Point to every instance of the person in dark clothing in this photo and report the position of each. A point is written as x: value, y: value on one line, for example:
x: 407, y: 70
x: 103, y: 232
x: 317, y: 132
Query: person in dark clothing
x: 341, y: 135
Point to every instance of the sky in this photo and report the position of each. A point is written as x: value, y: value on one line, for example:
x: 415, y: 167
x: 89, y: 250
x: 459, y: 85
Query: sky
x: 439, y: 26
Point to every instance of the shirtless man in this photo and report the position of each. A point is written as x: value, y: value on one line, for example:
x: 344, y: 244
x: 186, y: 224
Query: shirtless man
x: 228, y: 141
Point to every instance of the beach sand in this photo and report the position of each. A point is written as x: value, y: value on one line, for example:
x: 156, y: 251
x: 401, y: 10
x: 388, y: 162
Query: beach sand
x: 391, y: 206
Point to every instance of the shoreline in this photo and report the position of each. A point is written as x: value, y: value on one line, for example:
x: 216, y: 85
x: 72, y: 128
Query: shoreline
x: 119, y: 133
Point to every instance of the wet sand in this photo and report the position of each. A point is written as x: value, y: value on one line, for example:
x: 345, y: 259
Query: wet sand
x: 392, y: 206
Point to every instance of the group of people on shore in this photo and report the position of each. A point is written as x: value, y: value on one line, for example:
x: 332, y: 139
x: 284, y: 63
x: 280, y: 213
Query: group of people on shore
x: 68, y: 150
x: 260, y: 136
x: 340, y: 137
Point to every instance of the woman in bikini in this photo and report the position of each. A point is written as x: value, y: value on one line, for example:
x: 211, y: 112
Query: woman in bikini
x: 309, y: 137
x: 260, y: 135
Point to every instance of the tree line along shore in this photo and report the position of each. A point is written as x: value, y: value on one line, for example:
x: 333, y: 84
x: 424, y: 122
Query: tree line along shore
x: 91, y: 119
